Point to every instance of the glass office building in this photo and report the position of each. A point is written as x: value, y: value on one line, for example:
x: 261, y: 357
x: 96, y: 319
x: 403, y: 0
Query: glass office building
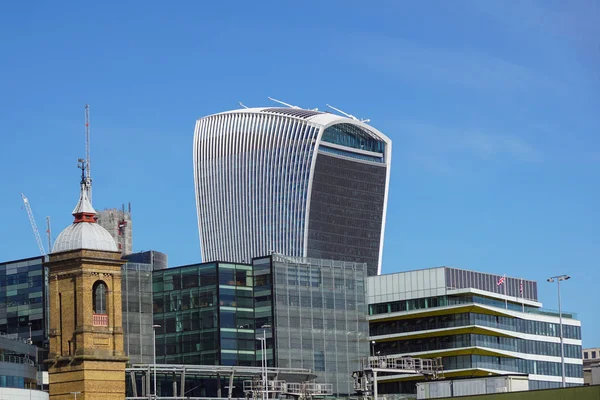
x: 23, y: 300
x: 137, y: 303
x: 476, y: 324
x: 137, y: 299
x: 207, y: 315
x: 290, y: 181
x: 311, y: 311
x: 320, y: 317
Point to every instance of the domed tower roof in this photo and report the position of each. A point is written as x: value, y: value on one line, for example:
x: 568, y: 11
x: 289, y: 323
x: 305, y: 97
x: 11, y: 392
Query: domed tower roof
x: 85, y: 232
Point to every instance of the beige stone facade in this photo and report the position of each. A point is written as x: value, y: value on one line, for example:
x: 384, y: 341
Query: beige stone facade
x: 86, y: 348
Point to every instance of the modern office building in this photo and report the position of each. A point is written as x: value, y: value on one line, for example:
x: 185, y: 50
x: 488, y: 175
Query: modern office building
x: 319, y: 313
x: 291, y: 181
x: 311, y: 312
x: 480, y: 324
x: 118, y: 224
x: 136, y: 284
x: 206, y: 314
x: 23, y: 300
x: 136, y: 298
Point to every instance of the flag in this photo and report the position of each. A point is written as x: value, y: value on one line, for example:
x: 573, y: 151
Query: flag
x: 501, y: 281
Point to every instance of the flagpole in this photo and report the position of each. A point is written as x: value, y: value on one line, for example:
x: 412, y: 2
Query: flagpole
x: 522, y: 295
x: 505, y: 296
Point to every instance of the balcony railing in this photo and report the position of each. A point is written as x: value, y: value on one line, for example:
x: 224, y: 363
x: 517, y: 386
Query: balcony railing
x: 9, y: 358
x: 100, y: 320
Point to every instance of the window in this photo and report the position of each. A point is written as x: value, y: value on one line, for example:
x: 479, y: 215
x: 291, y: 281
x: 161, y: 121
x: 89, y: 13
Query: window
x: 585, y: 355
x: 319, y: 361
x: 593, y: 354
x: 99, y: 294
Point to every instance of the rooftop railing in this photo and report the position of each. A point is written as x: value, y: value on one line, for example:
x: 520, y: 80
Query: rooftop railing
x: 9, y: 358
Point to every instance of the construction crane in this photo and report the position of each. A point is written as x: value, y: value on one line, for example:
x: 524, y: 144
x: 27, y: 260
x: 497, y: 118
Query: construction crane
x: 36, y: 232
x: 88, y: 171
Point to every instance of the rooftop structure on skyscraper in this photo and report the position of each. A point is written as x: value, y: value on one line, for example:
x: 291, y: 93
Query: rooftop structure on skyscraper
x: 291, y: 181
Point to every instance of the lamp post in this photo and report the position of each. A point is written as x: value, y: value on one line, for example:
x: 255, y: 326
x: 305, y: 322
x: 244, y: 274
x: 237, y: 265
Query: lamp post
x: 372, y: 348
x: 75, y: 395
x: 562, y: 344
x: 30, y: 341
x: 262, y: 362
x: 263, y: 359
x: 154, y: 327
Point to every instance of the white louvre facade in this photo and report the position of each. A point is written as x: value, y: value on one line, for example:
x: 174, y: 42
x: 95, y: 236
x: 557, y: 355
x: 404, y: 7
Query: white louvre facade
x: 290, y: 181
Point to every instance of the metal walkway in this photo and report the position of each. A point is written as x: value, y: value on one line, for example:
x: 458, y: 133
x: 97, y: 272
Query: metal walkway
x: 365, y: 380
x: 179, y: 373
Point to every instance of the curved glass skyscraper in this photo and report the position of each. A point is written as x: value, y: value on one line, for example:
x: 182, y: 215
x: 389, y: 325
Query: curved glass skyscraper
x: 290, y: 181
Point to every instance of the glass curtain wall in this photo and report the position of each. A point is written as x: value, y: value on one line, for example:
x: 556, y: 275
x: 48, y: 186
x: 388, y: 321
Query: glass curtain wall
x: 465, y: 319
x: 236, y: 314
x: 263, y: 309
x: 137, y: 312
x: 22, y: 300
x: 320, y: 318
x: 186, y: 308
x: 206, y: 314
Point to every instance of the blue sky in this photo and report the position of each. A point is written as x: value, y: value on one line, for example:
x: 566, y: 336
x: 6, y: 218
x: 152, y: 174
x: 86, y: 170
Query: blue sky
x: 492, y: 108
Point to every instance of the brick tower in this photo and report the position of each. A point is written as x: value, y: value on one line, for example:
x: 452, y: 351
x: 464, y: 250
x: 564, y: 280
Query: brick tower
x: 86, y: 334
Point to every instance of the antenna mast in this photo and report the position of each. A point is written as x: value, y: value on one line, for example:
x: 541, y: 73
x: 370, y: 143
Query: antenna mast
x: 281, y: 102
x: 36, y: 232
x: 341, y: 112
x: 88, y: 173
x: 49, y: 233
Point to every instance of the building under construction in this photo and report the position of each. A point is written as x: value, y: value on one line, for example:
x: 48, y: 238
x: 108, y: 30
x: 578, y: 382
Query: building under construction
x: 118, y: 224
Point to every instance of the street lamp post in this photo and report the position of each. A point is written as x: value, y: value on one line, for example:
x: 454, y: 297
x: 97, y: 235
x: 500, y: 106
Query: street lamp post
x: 154, y: 327
x: 30, y: 341
x: 562, y: 342
x: 263, y: 360
x: 372, y: 348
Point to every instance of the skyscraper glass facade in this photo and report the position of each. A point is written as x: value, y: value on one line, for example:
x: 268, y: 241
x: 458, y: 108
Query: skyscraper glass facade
x: 290, y: 181
x: 346, y: 210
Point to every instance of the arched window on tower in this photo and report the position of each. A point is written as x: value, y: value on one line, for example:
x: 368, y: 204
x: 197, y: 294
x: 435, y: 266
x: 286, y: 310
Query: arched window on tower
x: 99, y: 297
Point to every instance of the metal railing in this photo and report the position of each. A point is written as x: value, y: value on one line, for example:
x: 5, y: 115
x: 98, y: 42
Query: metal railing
x: 418, y: 365
x: 14, y: 336
x: 100, y: 320
x: 9, y: 358
x: 309, y: 388
x: 259, y: 386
